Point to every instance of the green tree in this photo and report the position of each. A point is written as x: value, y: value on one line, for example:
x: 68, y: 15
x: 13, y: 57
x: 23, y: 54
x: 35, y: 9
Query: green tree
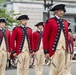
x: 1, y: 1
x: 9, y: 16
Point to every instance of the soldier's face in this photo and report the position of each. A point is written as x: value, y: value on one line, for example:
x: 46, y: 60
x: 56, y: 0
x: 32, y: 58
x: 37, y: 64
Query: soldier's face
x: 24, y: 22
x: 2, y: 25
x: 40, y: 27
x: 59, y: 13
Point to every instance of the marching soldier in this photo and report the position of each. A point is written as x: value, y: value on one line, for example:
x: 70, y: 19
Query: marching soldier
x: 55, y: 40
x: 69, y: 54
x: 21, y: 45
x: 4, y: 45
x: 38, y: 48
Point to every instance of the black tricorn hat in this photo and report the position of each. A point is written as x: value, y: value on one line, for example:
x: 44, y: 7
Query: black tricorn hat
x: 69, y: 30
x: 39, y: 24
x: 57, y: 7
x: 3, y: 20
x: 23, y: 17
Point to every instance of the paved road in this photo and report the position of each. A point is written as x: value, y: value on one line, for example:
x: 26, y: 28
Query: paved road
x: 45, y: 70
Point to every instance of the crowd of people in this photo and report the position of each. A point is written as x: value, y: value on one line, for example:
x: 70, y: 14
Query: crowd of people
x: 52, y: 42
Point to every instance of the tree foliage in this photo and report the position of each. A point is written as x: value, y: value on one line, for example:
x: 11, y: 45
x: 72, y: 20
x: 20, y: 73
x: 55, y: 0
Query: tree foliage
x: 9, y: 16
x: 1, y: 1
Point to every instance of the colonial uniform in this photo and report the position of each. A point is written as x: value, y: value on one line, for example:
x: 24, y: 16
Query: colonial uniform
x: 21, y: 44
x: 55, y: 41
x: 4, y: 47
x: 69, y: 53
x: 38, y: 48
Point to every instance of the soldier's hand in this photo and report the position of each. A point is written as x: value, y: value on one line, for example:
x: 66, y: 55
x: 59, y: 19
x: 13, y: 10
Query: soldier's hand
x: 15, y: 54
x: 47, y: 56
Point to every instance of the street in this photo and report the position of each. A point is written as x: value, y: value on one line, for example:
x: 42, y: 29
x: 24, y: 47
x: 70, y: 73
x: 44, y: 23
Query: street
x: 45, y: 70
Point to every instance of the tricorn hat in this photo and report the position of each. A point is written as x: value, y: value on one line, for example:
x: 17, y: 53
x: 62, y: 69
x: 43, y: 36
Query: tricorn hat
x: 3, y: 20
x: 39, y: 24
x: 57, y: 7
x: 23, y: 17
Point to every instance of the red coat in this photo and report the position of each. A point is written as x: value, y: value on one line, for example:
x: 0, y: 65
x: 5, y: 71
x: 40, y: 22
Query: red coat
x: 51, y: 35
x: 18, y: 37
x: 7, y: 39
x: 70, y: 43
x: 36, y: 41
